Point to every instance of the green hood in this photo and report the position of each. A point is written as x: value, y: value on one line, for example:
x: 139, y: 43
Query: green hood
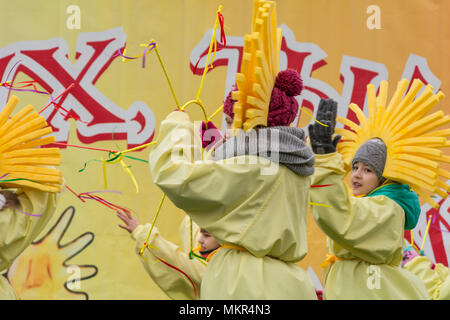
x: 405, y: 197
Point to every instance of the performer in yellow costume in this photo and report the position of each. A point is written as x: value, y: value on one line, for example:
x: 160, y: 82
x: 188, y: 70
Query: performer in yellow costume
x: 260, y: 219
x: 252, y: 196
x: 181, y: 276
x: 29, y: 187
x: 365, y: 229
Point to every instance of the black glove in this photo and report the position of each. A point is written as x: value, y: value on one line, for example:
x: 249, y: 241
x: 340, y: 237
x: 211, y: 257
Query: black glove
x: 321, y: 136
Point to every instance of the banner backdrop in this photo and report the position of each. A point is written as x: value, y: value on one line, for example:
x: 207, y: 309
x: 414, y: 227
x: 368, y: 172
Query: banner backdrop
x: 338, y: 46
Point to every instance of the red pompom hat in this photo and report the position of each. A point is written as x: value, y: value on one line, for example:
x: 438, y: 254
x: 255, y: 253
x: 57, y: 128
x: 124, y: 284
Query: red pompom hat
x: 283, y: 106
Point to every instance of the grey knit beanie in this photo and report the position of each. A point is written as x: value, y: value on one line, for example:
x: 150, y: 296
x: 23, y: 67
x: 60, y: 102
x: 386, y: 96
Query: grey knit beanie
x: 281, y: 144
x: 372, y: 153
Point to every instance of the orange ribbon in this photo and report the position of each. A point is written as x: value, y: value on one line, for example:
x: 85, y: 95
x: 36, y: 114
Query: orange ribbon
x: 226, y: 245
x: 331, y: 258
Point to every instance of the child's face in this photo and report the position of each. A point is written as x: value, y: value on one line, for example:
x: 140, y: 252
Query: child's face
x: 207, y: 241
x: 364, y: 179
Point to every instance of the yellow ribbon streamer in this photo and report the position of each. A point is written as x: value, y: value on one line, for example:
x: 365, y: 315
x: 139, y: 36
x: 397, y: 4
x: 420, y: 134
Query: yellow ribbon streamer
x: 165, y: 72
x: 141, y: 252
x: 426, y: 232
x: 311, y: 115
x: 215, y: 113
x: 128, y: 171
x: 105, y: 182
x: 212, y: 43
x: 320, y: 204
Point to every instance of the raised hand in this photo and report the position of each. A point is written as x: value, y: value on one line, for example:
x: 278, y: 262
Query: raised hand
x: 130, y: 222
x: 321, y: 134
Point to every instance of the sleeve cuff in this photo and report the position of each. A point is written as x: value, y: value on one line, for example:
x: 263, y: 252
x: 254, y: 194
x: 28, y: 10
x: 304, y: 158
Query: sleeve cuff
x: 332, y: 161
x: 322, y: 158
x: 140, y: 233
x: 137, y: 231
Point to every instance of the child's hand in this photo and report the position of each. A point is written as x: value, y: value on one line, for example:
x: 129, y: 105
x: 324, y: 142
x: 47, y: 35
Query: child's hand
x: 320, y: 136
x: 130, y: 222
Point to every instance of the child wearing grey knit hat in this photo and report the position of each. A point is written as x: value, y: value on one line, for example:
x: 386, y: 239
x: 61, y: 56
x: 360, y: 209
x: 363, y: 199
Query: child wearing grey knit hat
x: 372, y: 153
x: 368, y: 166
x: 365, y: 229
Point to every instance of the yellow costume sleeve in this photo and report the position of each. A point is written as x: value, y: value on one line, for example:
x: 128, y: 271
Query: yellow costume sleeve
x: 436, y: 281
x: 18, y: 230
x: 175, y: 284
x: 371, y: 228
x: 197, y: 187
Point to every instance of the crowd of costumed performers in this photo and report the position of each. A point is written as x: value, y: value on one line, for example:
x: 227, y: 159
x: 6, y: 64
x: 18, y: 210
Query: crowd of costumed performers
x: 364, y: 222
x: 246, y: 193
x: 259, y: 219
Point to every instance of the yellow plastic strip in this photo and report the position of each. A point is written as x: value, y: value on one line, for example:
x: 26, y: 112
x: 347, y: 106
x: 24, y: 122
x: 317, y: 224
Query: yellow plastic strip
x: 152, y: 225
x: 128, y: 171
x: 426, y: 232
x: 166, y: 74
x: 312, y: 116
x: 215, y: 113
x: 198, y: 102
x: 320, y: 204
x: 6, y: 111
x: 190, y: 234
x: 35, y: 143
x: 207, y: 63
x: 105, y: 182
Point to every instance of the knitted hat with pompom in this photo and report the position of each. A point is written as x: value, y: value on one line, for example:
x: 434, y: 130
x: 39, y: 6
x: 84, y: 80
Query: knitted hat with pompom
x: 283, y: 106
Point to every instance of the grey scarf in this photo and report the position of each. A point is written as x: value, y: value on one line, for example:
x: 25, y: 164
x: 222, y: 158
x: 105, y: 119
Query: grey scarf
x: 284, y: 145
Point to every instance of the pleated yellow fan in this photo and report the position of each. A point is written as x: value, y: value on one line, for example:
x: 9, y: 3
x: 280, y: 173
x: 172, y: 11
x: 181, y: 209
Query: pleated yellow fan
x: 413, y: 137
x: 20, y: 157
x: 259, y: 68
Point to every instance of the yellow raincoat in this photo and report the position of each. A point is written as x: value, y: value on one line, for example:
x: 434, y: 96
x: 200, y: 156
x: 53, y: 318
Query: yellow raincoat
x: 437, y: 280
x: 176, y: 285
x: 365, y: 237
x: 263, y: 214
x: 18, y: 230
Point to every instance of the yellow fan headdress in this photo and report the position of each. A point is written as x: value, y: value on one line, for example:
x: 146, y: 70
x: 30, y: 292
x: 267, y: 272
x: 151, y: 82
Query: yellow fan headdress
x: 22, y: 163
x: 259, y: 68
x: 414, y: 144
